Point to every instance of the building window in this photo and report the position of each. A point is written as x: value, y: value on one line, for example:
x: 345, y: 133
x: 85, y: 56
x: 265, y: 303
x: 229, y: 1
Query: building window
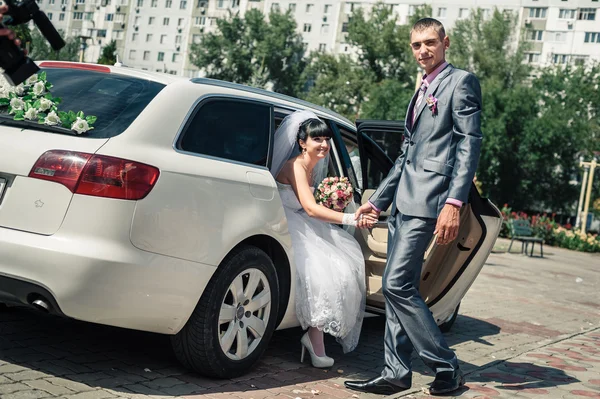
x: 463, y: 13
x: 327, y: 8
x: 275, y: 7
x: 322, y: 47
x: 166, y: 21
x: 235, y: 3
x: 486, y: 13
x: 411, y: 10
x: 178, y: 39
x: 140, y: 3
x: 441, y: 12
x: 132, y: 54
x: 325, y: 28
x: 154, y: 3
x: 180, y: 21
x: 307, y: 28
x: 292, y: 7
x: 535, y: 35
x: 163, y: 39
x: 560, y: 58
x: 146, y: 55
x: 220, y: 3
x: 200, y: 21
x: 149, y: 37
x: 101, y: 32
x: 345, y: 27
x: 76, y: 2
x: 61, y: 16
x: 182, y: 5
x: 196, y: 39
x: 49, y: 16
x: 161, y: 56
x: 201, y: 4
x: 309, y: 8
x: 77, y: 15
x: 532, y: 58
x: 587, y: 14
x: 151, y: 21
x: 134, y: 37
x: 110, y: 17
x: 136, y: 21
x: 175, y: 57
x: 119, y: 34
x: 231, y: 138
x: 592, y: 37
x: 537, y: 12
x: 566, y: 14
x: 168, y: 3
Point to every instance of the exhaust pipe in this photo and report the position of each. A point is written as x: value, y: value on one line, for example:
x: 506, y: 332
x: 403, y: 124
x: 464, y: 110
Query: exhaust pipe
x: 42, y: 305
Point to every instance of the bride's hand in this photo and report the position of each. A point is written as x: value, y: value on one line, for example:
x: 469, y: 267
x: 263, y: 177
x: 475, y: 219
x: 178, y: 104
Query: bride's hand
x: 367, y: 220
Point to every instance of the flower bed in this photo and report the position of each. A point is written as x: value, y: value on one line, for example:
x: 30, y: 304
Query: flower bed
x: 553, y: 233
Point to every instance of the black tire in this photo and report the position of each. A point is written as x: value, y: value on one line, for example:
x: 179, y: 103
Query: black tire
x: 447, y: 325
x: 198, y: 346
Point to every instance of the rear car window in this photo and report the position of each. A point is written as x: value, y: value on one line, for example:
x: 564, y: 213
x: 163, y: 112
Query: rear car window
x: 114, y: 99
x: 237, y: 130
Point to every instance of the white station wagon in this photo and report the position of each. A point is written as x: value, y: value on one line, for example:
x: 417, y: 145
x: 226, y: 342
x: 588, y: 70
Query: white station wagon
x: 165, y: 218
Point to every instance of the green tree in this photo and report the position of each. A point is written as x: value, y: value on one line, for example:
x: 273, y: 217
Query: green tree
x: 24, y: 34
x: 486, y: 48
x: 252, y: 50
x: 535, y: 122
x: 337, y: 83
x: 41, y: 50
x: 384, y: 64
x: 109, y: 54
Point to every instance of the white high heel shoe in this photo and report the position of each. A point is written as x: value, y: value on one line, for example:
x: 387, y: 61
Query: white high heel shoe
x: 317, y: 361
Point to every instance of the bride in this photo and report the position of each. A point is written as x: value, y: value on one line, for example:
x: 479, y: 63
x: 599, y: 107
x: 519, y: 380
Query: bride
x: 330, y: 268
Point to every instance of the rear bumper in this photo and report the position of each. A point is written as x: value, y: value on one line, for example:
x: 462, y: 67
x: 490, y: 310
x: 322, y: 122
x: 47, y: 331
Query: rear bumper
x: 90, y: 271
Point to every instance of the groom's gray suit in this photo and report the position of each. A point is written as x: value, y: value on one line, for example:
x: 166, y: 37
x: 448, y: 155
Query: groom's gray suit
x: 438, y: 161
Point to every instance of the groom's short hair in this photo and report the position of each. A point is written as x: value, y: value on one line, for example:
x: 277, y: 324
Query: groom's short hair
x: 426, y: 23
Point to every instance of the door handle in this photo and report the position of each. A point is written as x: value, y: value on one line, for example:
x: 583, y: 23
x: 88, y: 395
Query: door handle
x: 462, y: 248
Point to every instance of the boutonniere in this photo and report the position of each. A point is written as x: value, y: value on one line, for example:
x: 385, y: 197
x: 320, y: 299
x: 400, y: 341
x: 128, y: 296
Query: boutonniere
x: 432, y: 103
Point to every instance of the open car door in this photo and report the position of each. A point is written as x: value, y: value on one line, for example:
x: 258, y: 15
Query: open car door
x: 448, y: 271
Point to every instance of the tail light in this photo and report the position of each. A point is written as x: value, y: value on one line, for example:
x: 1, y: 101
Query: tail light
x: 96, y: 175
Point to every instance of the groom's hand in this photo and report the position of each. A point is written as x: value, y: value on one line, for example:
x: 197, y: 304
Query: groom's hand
x: 366, y: 216
x: 447, y: 224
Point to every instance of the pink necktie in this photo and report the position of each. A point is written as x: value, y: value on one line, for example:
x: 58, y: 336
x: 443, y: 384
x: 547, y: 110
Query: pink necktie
x: 420, y: 96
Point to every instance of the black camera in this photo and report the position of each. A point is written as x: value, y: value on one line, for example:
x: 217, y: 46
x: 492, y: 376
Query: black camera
x: 17, y: 66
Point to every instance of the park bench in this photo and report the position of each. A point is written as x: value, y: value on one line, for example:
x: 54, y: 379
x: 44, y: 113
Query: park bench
x: 521, y: 231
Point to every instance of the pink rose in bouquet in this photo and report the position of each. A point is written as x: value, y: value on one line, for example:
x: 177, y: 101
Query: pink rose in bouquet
x: 334, y: 193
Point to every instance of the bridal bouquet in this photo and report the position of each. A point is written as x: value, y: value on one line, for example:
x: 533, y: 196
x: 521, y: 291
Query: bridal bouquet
x: 334, y: 193
x: 33, y: 101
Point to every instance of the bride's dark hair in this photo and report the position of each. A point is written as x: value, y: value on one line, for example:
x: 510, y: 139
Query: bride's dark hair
x: 313, y: 128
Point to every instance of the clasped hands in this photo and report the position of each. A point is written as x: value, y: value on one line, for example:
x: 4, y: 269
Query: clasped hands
x: 446, y: 227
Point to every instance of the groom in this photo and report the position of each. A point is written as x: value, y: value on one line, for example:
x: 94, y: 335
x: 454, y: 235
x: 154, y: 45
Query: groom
x: 427, y: 186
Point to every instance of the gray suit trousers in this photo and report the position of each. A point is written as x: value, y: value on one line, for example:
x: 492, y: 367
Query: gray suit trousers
x: 410, y: 323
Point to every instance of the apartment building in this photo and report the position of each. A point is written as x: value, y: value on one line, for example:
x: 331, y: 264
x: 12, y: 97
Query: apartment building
x: 157, y: 34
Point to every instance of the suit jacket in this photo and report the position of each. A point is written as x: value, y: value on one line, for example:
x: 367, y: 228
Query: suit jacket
x: 440, y: 152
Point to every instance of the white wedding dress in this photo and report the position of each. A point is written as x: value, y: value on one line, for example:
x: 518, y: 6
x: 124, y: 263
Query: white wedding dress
x: 330, y: 273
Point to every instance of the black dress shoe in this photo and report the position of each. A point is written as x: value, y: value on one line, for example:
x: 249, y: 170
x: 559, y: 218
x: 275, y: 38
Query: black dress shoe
x: 375, y: 385
x: 446, y: 381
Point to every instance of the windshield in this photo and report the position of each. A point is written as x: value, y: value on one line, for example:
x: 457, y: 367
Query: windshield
x: 115, y: 100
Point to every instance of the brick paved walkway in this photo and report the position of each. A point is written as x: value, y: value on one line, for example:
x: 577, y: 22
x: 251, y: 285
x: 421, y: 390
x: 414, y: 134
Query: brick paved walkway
x: 529, y: 327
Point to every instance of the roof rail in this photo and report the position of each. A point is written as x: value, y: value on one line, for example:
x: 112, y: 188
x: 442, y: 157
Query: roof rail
x: 279, y: 96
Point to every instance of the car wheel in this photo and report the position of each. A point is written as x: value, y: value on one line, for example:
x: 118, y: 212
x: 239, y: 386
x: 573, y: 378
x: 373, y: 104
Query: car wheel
x: 447, y: 325
x: 232, y: 324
